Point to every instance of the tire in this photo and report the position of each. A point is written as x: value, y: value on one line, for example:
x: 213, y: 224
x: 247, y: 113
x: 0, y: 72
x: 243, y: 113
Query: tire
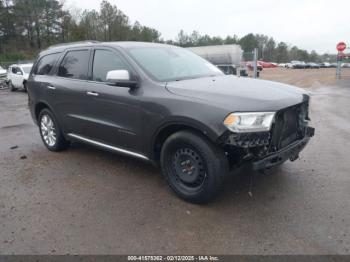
x: 25, y: 86
x: 12, y: 87
x: 50, y: 131
x: 194, y: 168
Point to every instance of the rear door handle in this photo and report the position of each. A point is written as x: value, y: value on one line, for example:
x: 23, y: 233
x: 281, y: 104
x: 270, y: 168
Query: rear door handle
x: 51, y: 87
x: 91, y: 93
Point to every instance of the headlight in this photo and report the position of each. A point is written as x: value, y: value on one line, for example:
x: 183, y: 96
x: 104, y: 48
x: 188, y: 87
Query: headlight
x: 249, y: 122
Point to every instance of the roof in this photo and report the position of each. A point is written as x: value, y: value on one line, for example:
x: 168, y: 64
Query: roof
x: 27, y: 64
x: 125, y: 44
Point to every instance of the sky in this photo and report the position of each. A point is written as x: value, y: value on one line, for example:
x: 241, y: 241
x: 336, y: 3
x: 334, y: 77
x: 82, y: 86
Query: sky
x: 309, y: 24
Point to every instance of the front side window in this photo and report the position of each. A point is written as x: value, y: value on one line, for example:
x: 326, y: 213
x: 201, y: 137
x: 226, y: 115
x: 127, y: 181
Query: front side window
x: 46, y: 63
x: 14, y: 70
x: 75, y: 65
x: 166, y: 63
x: 105, y: 61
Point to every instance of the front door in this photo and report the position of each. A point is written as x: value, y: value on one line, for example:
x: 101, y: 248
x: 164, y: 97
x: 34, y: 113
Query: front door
x: 113, y: 112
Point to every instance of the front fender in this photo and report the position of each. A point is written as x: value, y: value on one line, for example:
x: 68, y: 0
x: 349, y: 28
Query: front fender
x: 180, y: 123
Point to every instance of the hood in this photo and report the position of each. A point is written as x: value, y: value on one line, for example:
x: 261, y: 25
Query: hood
x: 238, y: 94
x: 3, y: 72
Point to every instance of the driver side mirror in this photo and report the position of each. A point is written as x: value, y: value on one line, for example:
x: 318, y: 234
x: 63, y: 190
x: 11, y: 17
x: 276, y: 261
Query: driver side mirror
x: 120, y: 78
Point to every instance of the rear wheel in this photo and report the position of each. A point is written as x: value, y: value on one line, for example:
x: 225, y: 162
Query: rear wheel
x: 50, y: 132
x: 25, y: 86
x: 194, y: 168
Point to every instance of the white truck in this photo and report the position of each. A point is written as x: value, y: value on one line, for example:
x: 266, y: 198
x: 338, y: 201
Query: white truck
x: 17, y: 76
x: 228, y: 58
x: 3, y: 74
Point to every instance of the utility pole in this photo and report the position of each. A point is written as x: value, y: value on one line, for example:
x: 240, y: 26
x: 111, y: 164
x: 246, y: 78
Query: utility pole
x: 338, y: 72
x: 341, y: 46
x: 255, y: 62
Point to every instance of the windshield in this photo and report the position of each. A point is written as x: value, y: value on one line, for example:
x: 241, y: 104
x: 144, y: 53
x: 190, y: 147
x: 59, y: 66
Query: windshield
x: 168, y: 63
x: 26, y: 69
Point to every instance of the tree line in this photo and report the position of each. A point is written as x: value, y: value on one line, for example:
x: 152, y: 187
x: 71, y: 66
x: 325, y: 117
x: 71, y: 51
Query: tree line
x: 268, y: 49
x: 28, y: 26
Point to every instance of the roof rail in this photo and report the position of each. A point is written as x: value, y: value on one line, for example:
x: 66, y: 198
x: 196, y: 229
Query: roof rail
x: 75, y: 43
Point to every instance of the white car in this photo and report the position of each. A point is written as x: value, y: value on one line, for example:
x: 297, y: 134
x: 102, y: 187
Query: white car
x: 3, y: 72
x: 3, y: 80
x: 289, y: 65
x: 17, y: 76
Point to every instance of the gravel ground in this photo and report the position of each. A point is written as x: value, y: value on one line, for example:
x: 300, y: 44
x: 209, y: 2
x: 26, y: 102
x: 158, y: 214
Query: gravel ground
x: 307, y: 78
x: 86, y: 201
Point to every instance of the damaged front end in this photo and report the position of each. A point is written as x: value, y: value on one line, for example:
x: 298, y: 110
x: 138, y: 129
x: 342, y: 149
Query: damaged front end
x: 288, y: 135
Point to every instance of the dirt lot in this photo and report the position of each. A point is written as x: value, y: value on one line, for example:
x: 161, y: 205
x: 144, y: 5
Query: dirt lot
x: 304, y: 78
x: 86, y: 201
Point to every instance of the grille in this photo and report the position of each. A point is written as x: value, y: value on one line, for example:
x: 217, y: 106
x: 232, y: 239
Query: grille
x: 289, y: 126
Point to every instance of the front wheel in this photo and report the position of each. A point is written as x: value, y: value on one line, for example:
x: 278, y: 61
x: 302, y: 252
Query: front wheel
x: 11, y: 86
x: 194, y: 168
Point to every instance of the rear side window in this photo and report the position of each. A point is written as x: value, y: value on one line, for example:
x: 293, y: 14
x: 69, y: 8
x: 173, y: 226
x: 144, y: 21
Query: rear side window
x: 45, y: 64
x: 75, y: 65
x: 105, y: 61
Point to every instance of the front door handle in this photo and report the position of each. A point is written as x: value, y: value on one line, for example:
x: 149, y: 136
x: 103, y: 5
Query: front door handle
x: 91, y: 93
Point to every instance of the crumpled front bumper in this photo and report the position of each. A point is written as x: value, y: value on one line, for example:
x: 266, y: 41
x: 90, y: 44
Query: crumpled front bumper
x: 289, y: 152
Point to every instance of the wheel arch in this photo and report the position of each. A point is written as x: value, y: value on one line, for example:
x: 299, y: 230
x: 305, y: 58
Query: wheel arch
x: 39, y: 107
x: 169, y: 128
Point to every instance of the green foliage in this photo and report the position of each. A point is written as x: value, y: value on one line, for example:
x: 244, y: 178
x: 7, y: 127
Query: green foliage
x: 282, y: 52
x: 31, y: 25
x: 249, y: 42
x: 11, y: 57
x: 195, y: 39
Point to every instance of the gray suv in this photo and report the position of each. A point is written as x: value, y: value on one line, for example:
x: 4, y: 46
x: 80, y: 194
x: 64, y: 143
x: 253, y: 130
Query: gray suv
x: 166, y: 105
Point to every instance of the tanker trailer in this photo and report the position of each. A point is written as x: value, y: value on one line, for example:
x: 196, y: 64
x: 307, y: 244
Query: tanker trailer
x: 226, y: 57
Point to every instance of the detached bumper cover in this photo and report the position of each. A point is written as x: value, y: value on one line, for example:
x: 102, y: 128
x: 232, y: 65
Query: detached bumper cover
x: 284, y: 154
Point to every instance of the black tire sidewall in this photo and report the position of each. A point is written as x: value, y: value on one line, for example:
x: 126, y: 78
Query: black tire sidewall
x: 214, y: 159
x: 11, y: 86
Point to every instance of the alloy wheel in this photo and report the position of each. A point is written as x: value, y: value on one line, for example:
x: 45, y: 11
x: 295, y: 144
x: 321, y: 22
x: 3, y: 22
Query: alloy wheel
x: 48, y: 131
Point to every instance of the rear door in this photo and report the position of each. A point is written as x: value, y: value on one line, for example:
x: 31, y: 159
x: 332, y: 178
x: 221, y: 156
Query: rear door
x: 66, y: 90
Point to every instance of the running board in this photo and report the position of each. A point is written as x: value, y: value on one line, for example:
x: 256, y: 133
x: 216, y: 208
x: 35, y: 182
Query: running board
x: 113, y: 148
